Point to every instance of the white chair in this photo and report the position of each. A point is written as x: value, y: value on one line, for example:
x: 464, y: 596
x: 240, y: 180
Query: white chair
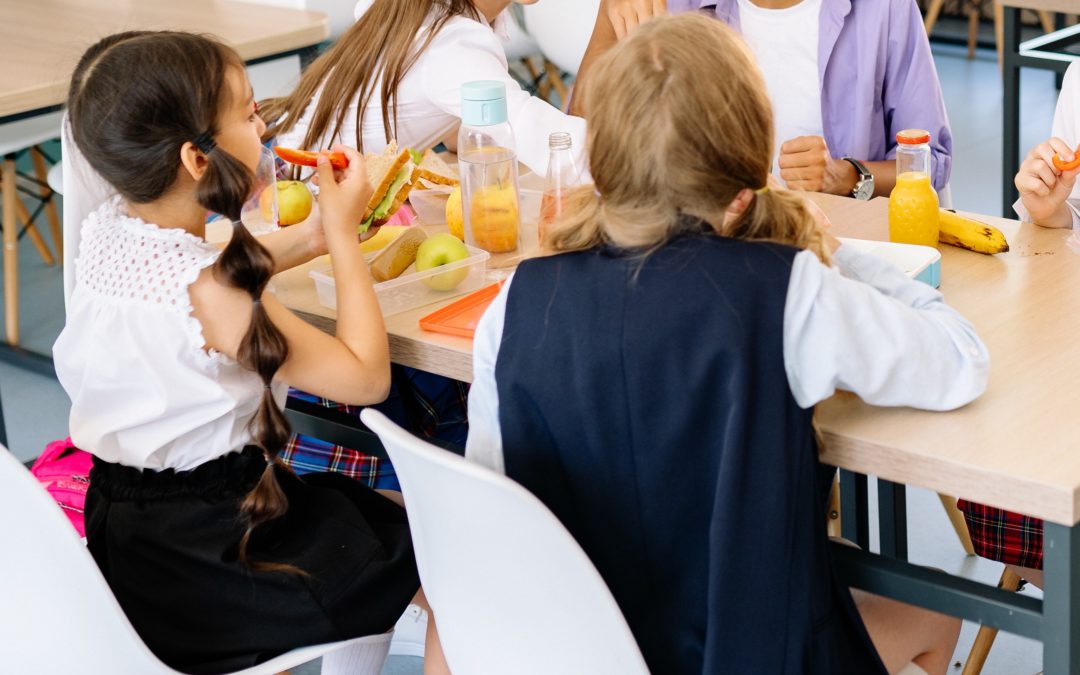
x: 59, y: 617
x: 562, y: 28
x: 511, y: 590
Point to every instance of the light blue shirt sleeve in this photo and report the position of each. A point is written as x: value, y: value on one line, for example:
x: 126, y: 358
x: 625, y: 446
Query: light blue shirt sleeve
x: 484, y: 445
x: 865, y: 327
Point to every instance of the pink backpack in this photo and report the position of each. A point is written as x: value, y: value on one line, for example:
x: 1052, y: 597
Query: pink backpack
x: 64, y: 471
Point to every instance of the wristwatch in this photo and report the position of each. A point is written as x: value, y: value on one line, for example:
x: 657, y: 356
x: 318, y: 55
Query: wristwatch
x: 864, y: 187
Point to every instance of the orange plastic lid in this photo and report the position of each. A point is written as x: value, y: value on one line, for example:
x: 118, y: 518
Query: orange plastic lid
x: 460, y: 318
x: 913, y: 137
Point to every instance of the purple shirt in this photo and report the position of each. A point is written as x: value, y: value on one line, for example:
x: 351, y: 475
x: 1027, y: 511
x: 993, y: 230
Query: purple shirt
x: 877, y: 77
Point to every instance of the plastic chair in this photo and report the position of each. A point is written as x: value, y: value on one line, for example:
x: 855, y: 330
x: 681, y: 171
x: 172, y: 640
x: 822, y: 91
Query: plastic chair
x: 17, y: 138
x: 511, y: 590
x: 562, y: 28
x: 59, y: 616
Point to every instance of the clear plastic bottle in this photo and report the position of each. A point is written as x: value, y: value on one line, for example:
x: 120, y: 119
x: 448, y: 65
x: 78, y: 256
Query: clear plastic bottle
x: 489, y: 174
x: 913, y: 204
x: 562, y: 175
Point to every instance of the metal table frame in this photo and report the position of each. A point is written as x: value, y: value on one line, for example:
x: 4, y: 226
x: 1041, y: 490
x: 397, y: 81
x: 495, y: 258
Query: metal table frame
x: 1055, y: 620
x: 1047, y: 53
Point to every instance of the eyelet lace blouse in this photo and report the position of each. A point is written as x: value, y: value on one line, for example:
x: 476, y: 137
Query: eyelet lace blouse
x: 145, y: 390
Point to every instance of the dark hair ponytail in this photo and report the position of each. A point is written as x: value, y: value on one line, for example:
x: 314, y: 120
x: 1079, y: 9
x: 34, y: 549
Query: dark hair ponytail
x: 136, y: 98
x: 246, y: 264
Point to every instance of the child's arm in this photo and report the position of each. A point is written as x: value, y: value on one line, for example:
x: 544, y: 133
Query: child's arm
x: 1045, y: 190
x: 865, y: 327
x: 614, y: 21
x: 296, y: 245
x: 352, y: 366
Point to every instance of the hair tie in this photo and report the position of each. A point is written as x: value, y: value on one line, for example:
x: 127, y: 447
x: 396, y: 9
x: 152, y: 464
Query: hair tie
x: 256, y: 300
x: 761, y: 191
x: 205, y: 142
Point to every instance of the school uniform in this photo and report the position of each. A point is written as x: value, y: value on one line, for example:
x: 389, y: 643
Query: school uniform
x: 167, y: 420
x: 674, y: 438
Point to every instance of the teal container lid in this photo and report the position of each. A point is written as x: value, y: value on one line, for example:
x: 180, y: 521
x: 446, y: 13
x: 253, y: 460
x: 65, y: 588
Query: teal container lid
x: 483, y: 103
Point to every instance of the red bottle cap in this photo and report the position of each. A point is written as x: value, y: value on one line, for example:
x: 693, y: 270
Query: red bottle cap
x: 913, y: 137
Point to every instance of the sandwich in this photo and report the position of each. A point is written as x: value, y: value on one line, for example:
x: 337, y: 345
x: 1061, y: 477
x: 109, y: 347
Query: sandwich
x: 433, y: 171
x: 392, y: 173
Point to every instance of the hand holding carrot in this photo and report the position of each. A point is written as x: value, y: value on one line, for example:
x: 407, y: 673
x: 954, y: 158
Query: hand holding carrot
x: 1044, y: 187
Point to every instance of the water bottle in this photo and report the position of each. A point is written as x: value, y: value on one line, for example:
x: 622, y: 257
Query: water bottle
x: 562, y: 176
x: 487, y: 162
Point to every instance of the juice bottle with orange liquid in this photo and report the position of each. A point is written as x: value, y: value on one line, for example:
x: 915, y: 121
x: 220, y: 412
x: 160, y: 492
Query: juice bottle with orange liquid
x: 487, y: 163
x: 913, y: 205
x: 562, y: 175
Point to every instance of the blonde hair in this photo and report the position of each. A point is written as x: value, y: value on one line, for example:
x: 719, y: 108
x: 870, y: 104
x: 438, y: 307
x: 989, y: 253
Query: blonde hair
x: 679, y: 124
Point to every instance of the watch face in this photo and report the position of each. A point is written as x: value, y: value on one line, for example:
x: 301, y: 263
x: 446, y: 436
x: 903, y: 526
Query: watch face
x: 864, y: 189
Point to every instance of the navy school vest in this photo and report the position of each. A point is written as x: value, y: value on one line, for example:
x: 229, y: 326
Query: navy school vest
x: 645, y: 402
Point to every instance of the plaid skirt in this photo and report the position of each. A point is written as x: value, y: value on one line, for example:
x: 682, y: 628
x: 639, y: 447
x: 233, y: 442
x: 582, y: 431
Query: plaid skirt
x: 429, y: 406
x: 1005, y: 536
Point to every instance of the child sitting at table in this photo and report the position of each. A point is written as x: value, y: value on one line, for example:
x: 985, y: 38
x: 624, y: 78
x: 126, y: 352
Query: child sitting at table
x: 397, y: 74
x: 176, y: 359
x: 653, y: 380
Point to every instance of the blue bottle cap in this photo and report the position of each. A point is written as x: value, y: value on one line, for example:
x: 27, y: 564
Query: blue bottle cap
x: 483, y: 103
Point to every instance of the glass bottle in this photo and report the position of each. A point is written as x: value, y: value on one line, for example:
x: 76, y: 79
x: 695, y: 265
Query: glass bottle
x: 562, y: 175
x: 914, y: 217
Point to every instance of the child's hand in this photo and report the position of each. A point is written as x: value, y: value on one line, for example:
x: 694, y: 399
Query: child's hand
x: 343, y: 195
x: 626, y: 15
x: 1043, y: 188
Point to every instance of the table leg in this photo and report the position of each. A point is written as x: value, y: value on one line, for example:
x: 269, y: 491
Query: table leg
x: 892, y: 519
x: 1011, y: 131
x: 1061, y: 599
x: 11, y: 251
x: 854, y: 508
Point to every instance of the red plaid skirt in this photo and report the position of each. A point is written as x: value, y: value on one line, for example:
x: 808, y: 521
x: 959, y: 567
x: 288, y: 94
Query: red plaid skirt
x: 1001, y: 535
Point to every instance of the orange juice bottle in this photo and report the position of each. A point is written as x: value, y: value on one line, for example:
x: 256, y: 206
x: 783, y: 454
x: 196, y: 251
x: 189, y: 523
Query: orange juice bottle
x: 913, y: 205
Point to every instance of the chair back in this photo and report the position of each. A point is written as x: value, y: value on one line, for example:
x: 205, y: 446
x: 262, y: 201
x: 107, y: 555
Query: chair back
x: 58, y: 614
x: 511, y: 590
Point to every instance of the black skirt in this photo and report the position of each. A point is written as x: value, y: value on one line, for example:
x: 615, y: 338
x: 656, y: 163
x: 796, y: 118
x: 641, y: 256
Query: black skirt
x: 167, y: 544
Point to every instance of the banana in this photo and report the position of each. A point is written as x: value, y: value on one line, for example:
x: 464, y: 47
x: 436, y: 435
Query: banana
x: 971, y: 234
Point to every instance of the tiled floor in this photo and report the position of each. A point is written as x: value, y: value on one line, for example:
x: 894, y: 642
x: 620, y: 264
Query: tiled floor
x: 36, y: 408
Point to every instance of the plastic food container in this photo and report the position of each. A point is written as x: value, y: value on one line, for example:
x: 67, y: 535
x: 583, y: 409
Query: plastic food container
x: 410, y: 290
x: 922, y: 263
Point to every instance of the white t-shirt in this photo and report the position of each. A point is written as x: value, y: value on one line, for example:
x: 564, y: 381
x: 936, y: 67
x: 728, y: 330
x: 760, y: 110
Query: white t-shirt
x: 145, y: 392
x: 429, y: 99
x: 785, y: 42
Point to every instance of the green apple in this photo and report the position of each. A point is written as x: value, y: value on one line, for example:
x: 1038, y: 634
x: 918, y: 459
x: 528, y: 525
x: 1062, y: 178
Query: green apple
x: 436, y: 251
x: 293, y: 201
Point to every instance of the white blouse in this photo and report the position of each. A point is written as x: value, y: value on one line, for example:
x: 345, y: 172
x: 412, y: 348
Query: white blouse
x: 145, y: 391
x: 429, y: 99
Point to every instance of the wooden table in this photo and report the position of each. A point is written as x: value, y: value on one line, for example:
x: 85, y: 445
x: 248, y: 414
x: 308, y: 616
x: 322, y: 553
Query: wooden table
x: 41, y: 41
x: 1017, y: 447
x: 1047, y: 52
